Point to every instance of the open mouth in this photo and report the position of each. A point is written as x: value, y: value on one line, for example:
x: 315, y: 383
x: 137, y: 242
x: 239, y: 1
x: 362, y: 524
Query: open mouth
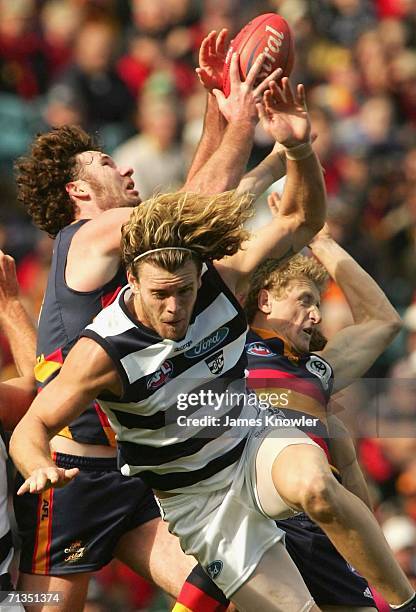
x: 131, y: 187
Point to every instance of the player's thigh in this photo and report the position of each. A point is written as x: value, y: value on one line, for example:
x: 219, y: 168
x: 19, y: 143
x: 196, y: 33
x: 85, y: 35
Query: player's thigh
x: 282, y: 465
x: 275, y: 586
x: 155, y: 554
x: 72, y: 589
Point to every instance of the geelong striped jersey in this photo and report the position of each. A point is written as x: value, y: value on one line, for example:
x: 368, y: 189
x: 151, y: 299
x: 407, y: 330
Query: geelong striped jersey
x: 165, y: 383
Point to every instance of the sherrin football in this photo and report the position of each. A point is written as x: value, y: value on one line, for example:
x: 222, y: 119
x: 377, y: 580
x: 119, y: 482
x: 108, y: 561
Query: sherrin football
x: 269, y: 34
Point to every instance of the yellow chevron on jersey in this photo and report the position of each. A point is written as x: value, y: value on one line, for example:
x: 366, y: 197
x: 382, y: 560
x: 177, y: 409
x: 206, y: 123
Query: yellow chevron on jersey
x: 288, y: 399
x: 45, y: 368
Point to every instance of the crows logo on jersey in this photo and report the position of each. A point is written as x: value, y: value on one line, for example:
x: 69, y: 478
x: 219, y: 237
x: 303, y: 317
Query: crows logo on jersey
x: 160, y: 376
x: 258, y: 349
x: 317, y: 366
x: 216, y: 362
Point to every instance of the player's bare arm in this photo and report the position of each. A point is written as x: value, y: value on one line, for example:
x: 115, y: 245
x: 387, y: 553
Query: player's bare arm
x: 345, y: 459
x: 301, y: 211
x: 86, y: 372
x: 210, y: 73
x: 226, y: 166
x: 262, y: 176
x: 98, y: 240
x: 354, y: 349
x: 16, y: 396
x: 14, y: 320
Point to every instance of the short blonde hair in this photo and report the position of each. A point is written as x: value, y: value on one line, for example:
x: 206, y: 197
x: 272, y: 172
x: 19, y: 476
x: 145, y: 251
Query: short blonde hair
x: 210, y: 226
x: 276, y: 277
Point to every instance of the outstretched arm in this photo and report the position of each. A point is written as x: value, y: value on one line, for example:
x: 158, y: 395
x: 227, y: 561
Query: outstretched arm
x: 355, y: 348
x: 14, y: 320
x: 86, y: 372
x: 218, y: 166
x: 301, y: 211
x: 210, y: 72
x: 226, y: 166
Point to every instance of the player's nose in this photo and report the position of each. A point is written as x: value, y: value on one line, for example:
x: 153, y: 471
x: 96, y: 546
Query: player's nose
x: 126, y: 171
x: 315, y: 314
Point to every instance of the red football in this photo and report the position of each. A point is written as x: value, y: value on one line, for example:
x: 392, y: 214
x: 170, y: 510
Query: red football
x: 269, y: 34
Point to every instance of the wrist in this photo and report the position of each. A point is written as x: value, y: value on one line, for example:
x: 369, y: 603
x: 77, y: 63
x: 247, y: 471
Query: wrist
x: 321, y: 243
x: 242, y: 126
x: 9, y: 308
x: 299, y: 151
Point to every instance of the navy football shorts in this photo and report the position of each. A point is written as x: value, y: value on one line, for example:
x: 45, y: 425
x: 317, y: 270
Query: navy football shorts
x: 76, y: 528
x: 329, y: 578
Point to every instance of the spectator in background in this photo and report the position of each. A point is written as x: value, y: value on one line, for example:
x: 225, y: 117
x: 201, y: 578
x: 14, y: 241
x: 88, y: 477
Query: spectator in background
x: 59, y: 21
x: 155, y: 153
x: 22, y: 53
x: 400, y: 533
x: 93, y: 80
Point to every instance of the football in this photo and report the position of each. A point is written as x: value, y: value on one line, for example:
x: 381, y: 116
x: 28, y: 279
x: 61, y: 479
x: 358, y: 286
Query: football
x: 269, y: 34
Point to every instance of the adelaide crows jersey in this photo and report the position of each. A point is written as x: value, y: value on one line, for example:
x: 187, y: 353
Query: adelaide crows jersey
x: 296, y: 384
x: 65, y: 313
x: 173, y: 391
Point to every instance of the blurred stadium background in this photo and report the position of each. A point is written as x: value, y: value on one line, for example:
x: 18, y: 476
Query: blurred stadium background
x: 124, y: 69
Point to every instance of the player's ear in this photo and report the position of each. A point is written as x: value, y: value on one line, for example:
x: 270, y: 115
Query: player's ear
x: 133, y: 282
x: 77, y: 189
x: 264, y: 301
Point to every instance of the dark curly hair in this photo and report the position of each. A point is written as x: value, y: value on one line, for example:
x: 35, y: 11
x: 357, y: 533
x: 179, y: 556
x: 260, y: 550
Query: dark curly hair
x: 42, y: 175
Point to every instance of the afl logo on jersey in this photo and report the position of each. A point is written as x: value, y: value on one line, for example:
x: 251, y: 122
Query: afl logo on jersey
x: 258, y: 349
x: 318, y: 367
x: 162, y: 375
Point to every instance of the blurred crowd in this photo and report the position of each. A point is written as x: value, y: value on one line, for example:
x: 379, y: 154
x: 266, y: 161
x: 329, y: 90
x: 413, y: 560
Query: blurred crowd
x: 125, y: 70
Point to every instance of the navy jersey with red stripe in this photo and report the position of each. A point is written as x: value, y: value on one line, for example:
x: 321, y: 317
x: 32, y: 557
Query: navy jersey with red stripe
x: 65, y: 313
x: 290, y: 382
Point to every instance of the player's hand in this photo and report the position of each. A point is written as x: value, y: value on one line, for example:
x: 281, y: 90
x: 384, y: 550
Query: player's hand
x: 211, y: 59
x: 273, y: 200
x: 240, y: 106
x: 47, y: 478
x: 284, y: 115
x: 9, y: 287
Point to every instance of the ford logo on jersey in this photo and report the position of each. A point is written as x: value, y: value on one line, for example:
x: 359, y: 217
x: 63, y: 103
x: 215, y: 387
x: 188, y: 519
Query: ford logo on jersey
x: 208, y: 343
x: 259, y: 350
x: 160, y: 376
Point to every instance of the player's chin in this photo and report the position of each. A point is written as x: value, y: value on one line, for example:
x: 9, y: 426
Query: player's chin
x: 303, y: 344
x: 174, y: 332
x: 132, y: 198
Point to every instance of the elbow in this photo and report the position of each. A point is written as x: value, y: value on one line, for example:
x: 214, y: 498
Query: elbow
x: 315, y: 225
x: 14, y: 445
x: 392, y: 326
x: 396, y: 325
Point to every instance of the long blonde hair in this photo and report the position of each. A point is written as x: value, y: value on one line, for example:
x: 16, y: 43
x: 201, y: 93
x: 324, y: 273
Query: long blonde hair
x: 210, y: 226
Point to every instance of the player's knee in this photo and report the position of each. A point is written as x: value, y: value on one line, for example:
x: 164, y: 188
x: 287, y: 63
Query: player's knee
x: 318, y: 496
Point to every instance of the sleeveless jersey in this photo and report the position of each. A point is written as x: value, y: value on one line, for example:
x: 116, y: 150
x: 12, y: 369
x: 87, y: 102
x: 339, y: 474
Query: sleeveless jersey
x: 297, y: 385
x: 65, y: 313
x: 200, y: 377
